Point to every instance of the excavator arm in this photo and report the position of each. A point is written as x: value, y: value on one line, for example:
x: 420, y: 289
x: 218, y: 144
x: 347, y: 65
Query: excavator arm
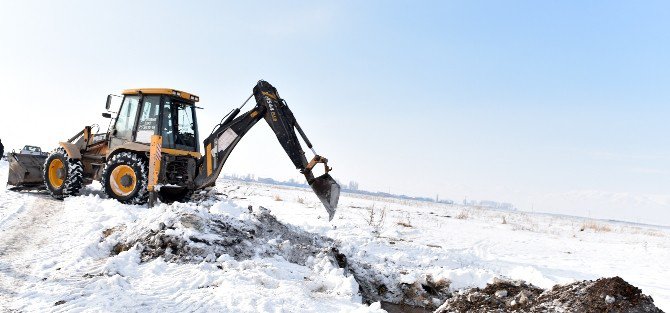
x: 269, y: 106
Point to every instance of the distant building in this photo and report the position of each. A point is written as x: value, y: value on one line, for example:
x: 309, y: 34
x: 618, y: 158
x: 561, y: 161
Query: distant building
x: 496, y: 205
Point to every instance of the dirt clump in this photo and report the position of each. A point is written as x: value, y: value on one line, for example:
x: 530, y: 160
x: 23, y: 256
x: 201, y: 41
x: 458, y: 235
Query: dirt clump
x: 603, y: 295
x: 499, y: 296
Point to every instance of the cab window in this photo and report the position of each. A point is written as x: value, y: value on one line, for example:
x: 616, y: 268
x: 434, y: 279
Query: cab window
x: 185, y: 138
x: 178, y: 126
x: 148, y: 119
x: 126, y: 119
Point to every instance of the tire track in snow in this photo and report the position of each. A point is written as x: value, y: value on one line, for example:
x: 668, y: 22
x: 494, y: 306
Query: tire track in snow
x: 11, y: 214
x: 28, y: 232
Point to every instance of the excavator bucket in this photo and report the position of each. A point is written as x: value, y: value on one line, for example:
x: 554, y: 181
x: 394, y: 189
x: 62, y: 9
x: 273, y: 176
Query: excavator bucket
x: 328, y: 191
x: 25, y: 171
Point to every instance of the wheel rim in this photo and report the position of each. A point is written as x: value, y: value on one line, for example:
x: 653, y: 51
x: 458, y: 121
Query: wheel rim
x: 56, y: 173
x: 123, y: 180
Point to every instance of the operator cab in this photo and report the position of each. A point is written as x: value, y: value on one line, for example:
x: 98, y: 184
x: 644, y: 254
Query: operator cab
x: 154, y: 111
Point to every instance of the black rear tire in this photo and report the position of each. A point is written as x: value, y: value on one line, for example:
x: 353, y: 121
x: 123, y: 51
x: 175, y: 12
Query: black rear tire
x: 67, y: 179
x: 135, y: 169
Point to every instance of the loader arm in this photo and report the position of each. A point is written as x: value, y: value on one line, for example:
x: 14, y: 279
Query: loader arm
x: 269, y: 106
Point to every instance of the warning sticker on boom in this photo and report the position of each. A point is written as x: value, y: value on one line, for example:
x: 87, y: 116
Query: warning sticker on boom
x: 226, y: 139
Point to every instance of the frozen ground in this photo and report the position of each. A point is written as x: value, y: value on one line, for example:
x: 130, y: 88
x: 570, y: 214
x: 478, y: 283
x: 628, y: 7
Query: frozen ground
x: 92, y: 253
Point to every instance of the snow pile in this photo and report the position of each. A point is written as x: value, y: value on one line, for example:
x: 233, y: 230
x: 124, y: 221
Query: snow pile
x: 230, y: 239
x: 225, y: 235
x: 186, y: 233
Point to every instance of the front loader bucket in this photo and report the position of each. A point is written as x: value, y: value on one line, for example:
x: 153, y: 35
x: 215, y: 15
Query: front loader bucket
x: 25, y: 171
x: 328, y: 191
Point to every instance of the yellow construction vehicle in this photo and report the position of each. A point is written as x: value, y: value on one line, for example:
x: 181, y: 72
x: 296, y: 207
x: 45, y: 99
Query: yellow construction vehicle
x: 120, y: 158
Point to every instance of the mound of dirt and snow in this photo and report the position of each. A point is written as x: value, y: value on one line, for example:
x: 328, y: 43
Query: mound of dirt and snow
x: 196, y: 235
x: 602, y: 295
x: 391, y: 287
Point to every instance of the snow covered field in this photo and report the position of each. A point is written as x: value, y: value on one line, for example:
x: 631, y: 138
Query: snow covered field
x: 94, y: 254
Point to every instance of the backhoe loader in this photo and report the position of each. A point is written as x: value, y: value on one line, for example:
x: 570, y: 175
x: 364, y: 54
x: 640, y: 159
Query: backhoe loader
x: 151, y: 147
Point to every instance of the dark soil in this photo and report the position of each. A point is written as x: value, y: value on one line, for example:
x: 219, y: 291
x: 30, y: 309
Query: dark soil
x: 603, y: 295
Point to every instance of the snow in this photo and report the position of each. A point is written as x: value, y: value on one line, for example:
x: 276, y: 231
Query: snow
x: 542, y: 249
x: 63, y: 251
x: 501, y: 293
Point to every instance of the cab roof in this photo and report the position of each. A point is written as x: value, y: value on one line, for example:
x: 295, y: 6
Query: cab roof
x: 163, y: 91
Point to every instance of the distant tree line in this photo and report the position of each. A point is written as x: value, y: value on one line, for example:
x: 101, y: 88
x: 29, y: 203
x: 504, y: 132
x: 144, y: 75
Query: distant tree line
x: 352, y: 187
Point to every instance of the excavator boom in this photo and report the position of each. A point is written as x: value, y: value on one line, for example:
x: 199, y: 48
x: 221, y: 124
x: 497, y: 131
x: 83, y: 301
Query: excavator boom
x: 269, y: 106
x: 166, y: 116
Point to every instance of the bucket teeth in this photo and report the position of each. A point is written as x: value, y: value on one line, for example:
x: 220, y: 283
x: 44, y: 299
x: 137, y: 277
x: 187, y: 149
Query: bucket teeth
x: 328, y: 191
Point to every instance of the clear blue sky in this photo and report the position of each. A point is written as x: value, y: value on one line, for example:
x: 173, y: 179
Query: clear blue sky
x: 522, y: 101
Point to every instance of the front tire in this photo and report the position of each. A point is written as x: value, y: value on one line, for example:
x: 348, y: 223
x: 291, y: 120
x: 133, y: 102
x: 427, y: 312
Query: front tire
x: 63, y: 176
x: 125, y: 178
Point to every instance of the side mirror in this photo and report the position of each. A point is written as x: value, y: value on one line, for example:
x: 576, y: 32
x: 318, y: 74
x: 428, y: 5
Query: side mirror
x: 109, y: 102
x: 107, y: 115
